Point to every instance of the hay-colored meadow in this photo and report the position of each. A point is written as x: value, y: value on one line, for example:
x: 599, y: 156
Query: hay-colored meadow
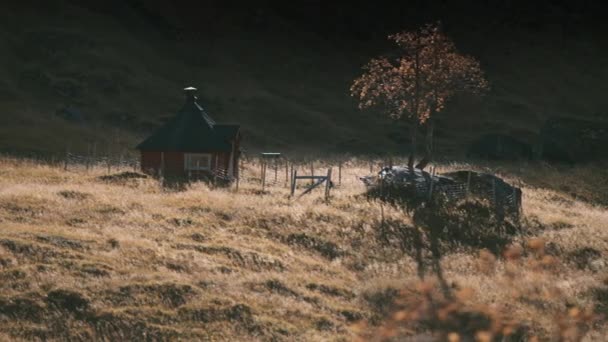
x: 88, y: 257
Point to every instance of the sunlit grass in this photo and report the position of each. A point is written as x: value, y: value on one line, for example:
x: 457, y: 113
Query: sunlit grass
x: 264, y: 265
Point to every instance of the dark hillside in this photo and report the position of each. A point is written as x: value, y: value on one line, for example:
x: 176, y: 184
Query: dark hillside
x: 74, y: 71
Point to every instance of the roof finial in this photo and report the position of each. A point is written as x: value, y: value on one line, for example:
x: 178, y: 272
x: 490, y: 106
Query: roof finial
x: 190, y: 93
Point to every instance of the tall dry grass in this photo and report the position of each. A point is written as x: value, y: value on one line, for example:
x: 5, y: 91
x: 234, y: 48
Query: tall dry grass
x: 124, y: 258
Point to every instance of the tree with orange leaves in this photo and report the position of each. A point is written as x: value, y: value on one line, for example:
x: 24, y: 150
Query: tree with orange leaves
x: 415, y: 86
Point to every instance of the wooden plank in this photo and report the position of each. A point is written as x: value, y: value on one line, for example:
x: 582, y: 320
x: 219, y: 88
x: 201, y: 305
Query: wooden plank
x: 312, y: 177
x: 293, y: 181
x: 312, y: 172
x: 311, y: 188
x: 328, y: 184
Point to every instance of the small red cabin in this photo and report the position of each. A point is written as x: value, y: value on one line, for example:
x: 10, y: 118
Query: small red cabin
x: 192, y: 145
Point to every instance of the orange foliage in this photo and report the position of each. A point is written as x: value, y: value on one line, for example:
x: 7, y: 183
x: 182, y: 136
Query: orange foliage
x: 417, y: 84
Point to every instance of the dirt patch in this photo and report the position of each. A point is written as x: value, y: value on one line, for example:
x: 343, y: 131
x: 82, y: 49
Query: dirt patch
x: 327, y: 249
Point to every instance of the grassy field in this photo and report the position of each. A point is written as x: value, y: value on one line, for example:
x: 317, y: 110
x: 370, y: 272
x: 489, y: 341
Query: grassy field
x: 91, y: 255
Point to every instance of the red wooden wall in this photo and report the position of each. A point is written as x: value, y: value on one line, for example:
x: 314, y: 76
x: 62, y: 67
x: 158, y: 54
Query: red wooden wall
x: 151, y: 163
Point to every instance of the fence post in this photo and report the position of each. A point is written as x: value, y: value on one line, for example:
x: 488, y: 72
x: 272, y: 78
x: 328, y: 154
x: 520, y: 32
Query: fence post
x: 238, y: 172
x: 263, y: 175
x: 494, y: 192
x: 88, y: 157
x: 261, y: 169
x: 327, y: 184
x: 468, y: 184
x: 67, y: 157
x: 276, y: 170
x: 291, y: 175
x: 312, y: 172
x: 95, y: 153
x: 286, y: 172
x: 340, y: 172
x: 520, y: 202
x: 431, y: 186
x: 294, y: 177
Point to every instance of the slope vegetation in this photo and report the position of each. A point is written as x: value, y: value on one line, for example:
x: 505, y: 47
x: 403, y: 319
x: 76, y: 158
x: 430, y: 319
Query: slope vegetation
x: 87, y: 255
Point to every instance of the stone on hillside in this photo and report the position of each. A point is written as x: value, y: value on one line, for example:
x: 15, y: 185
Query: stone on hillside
x: 416, y: 184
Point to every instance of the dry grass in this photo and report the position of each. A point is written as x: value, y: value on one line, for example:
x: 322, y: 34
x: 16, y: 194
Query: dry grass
x: 83, y: 258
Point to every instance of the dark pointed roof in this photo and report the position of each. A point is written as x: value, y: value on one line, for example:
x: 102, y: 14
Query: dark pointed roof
x: 191, y: 130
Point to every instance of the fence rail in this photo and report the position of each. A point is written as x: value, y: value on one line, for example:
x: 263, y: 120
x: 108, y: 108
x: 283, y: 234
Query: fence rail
x: 87, y: 162
x: 280, y: 173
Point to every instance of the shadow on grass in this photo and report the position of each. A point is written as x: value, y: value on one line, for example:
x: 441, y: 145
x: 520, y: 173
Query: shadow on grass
x: 442, y: 226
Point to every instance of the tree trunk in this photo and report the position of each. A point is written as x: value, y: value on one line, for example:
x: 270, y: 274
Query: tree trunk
x: 413, y: 143
x: 430, y: 128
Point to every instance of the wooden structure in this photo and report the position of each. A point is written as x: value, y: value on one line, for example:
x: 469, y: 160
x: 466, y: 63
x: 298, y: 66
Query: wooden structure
x: 192, y: 145
x: 317, y: 181
x: 265, y: 157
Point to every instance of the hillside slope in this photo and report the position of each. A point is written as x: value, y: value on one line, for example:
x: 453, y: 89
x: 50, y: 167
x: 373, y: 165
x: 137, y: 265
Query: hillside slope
x: 86, y: 255
x: 74, y: 74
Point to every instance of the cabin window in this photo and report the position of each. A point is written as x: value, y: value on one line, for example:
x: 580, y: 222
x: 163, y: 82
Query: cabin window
x: 198, y: 161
